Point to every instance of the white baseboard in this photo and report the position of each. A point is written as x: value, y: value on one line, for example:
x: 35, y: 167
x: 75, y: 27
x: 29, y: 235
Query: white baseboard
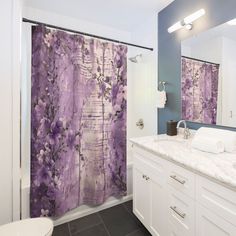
x: 85, y: 210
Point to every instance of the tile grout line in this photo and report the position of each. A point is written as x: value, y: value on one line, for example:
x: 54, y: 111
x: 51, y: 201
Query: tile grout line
x: 104, y: 224
x: 133, y: 216
x: 130, y: 213
x: 87, y: 228
x: 125, y: 207
x: 135, y: 231
x: 68, y: 226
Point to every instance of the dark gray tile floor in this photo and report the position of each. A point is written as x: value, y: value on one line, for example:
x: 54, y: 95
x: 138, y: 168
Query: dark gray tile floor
x: 115, y: 221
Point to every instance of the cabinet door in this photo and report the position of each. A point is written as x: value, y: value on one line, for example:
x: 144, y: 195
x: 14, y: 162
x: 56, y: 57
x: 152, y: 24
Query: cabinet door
x: 209, y: 224
x: 158, y: 222
x: 141, y: 196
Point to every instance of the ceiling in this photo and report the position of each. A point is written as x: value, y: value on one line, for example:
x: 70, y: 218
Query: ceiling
x: 119, y: 14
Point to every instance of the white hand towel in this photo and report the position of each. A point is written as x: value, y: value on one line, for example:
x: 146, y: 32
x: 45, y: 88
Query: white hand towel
x: 227, y: 137
x: 207, y: 144
x: 161, y: 99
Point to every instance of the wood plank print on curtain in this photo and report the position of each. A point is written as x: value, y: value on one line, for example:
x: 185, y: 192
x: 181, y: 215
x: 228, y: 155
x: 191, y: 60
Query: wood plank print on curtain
x: 199, y: 85
x: 78, y: 121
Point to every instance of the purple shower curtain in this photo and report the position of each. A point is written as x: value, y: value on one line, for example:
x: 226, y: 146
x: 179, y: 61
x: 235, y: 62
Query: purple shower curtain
x: 199, y: 84
x: 78, y: 121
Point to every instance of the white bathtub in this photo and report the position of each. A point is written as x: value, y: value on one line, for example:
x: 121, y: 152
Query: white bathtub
x: 80, y: 211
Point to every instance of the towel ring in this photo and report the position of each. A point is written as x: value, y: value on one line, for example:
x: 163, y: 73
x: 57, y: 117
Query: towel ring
x: 163, y: 85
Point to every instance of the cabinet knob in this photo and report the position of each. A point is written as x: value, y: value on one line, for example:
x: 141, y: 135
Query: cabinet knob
x: 146, y: 177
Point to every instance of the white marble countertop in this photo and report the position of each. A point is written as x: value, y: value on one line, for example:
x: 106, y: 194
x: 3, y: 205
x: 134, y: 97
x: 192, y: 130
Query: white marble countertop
x: 220, y: 167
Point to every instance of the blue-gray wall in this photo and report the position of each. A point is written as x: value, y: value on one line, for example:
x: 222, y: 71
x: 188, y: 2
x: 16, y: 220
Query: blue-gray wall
x: 169, y: 47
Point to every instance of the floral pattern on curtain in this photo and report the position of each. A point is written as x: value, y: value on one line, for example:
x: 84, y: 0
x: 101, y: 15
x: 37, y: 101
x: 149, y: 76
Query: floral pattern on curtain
x: 78, y: 121
x: 199, y: 86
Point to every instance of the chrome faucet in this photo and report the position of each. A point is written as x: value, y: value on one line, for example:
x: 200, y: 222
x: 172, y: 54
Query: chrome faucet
x: 186, y: 130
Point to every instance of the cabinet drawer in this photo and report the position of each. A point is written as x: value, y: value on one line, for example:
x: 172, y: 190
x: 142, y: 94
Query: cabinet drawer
x: 182, y: 180
x: 218, y: 199
x: 210, y: 224
x: 181, y: 213
x: 174, y: 231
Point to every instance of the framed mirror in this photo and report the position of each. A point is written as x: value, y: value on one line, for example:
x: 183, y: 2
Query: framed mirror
x: 208, y: 76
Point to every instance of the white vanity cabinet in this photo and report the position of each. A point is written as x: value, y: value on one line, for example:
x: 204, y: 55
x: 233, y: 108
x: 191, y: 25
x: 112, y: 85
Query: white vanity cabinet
x: 149, y: 194
x: 173, y: 201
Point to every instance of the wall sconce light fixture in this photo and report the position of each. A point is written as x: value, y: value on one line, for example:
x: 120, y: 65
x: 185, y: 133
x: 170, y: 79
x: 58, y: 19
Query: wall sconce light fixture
x: 187, y: 22
x: 232, y: 22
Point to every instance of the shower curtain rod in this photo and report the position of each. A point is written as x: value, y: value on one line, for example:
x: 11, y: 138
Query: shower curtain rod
x: 192, y: 58
x: 86, y: 34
